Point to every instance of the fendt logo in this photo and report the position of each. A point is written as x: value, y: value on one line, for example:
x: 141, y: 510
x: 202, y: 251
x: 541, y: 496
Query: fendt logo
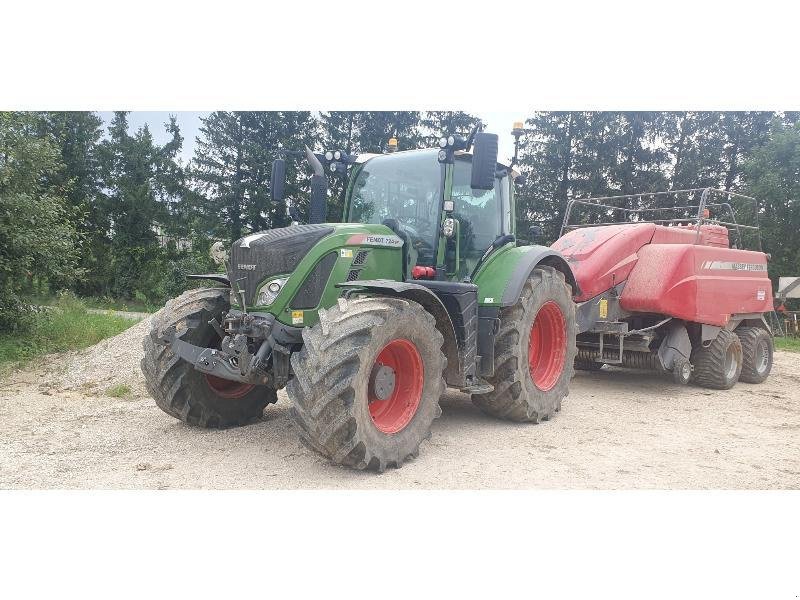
x: 242, y: 267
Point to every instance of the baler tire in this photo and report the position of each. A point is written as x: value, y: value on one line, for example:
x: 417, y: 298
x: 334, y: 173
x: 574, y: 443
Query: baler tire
x: 710, y: 362
x: 515, y: 396
x: 333, y: 378
x: 180, y: 390
x: 751, y: 338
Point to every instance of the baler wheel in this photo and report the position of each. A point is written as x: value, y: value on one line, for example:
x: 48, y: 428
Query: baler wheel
x: 367, y: 382
x: 718, y: 365
x: 181, y: 391
x: 757, y: 354
x: 681, y: 371
x: 534, y: 351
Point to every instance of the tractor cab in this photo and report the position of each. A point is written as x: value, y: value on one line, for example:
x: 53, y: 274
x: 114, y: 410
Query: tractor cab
x: 447, y: 225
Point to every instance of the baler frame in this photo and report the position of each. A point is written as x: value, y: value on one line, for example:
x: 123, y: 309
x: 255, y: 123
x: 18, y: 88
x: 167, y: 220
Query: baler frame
x: 633, y: 215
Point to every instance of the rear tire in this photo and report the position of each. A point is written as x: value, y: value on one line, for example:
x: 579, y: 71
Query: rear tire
x: 531, y: 377
x: 719, y: 364
x: 346, y: 404
x: 181, y: 391
x: 757, y: 354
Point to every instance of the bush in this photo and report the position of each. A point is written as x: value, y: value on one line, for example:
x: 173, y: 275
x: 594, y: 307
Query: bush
x: 67, y: 326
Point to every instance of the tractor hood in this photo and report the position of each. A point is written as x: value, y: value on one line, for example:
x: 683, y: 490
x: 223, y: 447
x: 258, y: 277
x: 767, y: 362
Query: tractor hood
x: 260, y: 255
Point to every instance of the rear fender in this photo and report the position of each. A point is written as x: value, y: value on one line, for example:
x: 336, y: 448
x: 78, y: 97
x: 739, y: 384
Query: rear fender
x: 503, y: 276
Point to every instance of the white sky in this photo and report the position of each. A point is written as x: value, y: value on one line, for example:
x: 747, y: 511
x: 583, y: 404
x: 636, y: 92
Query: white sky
x: 189, y: 121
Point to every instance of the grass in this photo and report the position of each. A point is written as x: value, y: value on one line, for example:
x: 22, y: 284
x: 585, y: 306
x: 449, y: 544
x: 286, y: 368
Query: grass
x: 69, y: 327
x: 791, y: 344
x: 105, y: 303
x: 121, y: 390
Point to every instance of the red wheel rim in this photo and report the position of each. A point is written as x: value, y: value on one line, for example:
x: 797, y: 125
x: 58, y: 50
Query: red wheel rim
x: 547, y: 348
x: 395, y: 412
x: 227, y: 388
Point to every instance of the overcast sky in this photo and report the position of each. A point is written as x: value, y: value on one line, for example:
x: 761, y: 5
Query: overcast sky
x: 189, y: 121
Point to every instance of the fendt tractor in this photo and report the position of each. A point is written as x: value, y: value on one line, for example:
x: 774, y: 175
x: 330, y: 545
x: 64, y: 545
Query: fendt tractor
x: 366, y: 322
x: 665, y: 283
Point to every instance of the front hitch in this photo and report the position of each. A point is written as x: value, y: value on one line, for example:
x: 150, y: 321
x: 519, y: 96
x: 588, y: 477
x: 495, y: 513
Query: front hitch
x: 234, y: 362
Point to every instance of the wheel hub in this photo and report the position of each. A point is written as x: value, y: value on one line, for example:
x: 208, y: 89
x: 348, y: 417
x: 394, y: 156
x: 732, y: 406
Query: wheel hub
x: 382, y: 381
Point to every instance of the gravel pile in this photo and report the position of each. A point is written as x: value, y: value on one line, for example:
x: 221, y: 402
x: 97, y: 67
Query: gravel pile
x: 113, y: 361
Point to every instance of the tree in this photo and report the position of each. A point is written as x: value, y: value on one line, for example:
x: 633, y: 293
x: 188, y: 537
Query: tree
x: 37, y: 239
x: 772, y: 175
x: 143, y: 184
x: 444, y: 123
x: 77, y: 135
x: 232, y: 166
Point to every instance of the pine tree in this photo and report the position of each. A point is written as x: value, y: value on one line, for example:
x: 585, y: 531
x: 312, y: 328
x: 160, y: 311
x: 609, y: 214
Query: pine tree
x: 142, y: 181
x: 77, y: 135
x: 232, y: 166
x: 445, y: 123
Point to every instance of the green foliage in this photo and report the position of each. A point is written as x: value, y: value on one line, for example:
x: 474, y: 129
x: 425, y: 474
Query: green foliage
x: 232, y: 167
x: 121, y: 217
x: 121, y: 390
x: 582, y: 154
x: 772, y: 175
x: 37, y: 238
x: 787, y: 343
x: 68, y: 326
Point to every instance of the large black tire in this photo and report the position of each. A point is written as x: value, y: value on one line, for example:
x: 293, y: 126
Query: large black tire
x: 757, y: 352
x: 717, y: 366
x: 334, y: 380
x: 181, y: 391
x: 516, y: 396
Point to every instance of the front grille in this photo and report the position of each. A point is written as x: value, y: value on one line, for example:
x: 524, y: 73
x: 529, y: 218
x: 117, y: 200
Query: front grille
x: 272, y: 252
x: 353, y: 274
x: 360, y: 258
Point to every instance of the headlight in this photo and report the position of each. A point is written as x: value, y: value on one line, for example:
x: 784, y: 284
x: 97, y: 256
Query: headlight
x: 337, y: 155
x: 270, y: 291
x: 442, y: 155
x: 334, y: 167
x: 451, y: 141
x: 448, y: 227
x: 329, y: 155
x: 443, y: 142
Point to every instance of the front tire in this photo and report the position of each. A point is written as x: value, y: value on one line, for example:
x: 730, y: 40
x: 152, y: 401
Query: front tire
x: 757, y: 354
x: 367, y: 382
x: 534, y: 351
x: 180, y: 390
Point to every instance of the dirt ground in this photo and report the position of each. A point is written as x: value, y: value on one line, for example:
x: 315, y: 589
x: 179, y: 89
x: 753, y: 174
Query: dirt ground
x: 617, y: 429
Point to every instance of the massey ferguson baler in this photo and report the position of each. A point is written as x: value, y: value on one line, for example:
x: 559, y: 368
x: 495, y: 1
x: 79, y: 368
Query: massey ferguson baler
x: 664, y: 290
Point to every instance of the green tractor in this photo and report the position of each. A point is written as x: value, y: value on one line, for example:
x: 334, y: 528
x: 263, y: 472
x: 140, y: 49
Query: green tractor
x: 366, y: 322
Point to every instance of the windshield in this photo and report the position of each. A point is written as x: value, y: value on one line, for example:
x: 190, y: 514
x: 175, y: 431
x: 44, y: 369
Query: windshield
x: 405, y: 187
x: 483, y: 215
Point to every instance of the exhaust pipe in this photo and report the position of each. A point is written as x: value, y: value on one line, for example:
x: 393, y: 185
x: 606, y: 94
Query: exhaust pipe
x: 318, y: 209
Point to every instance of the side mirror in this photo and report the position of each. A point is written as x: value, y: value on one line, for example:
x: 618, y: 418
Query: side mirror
x: 277, y: 180
x: 484, y: 161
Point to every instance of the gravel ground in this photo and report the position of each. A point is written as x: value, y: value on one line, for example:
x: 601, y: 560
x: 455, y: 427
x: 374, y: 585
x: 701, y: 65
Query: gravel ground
x: 617, y: 429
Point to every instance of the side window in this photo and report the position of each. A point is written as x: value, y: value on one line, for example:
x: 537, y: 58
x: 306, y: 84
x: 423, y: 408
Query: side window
x: 483, y: 215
